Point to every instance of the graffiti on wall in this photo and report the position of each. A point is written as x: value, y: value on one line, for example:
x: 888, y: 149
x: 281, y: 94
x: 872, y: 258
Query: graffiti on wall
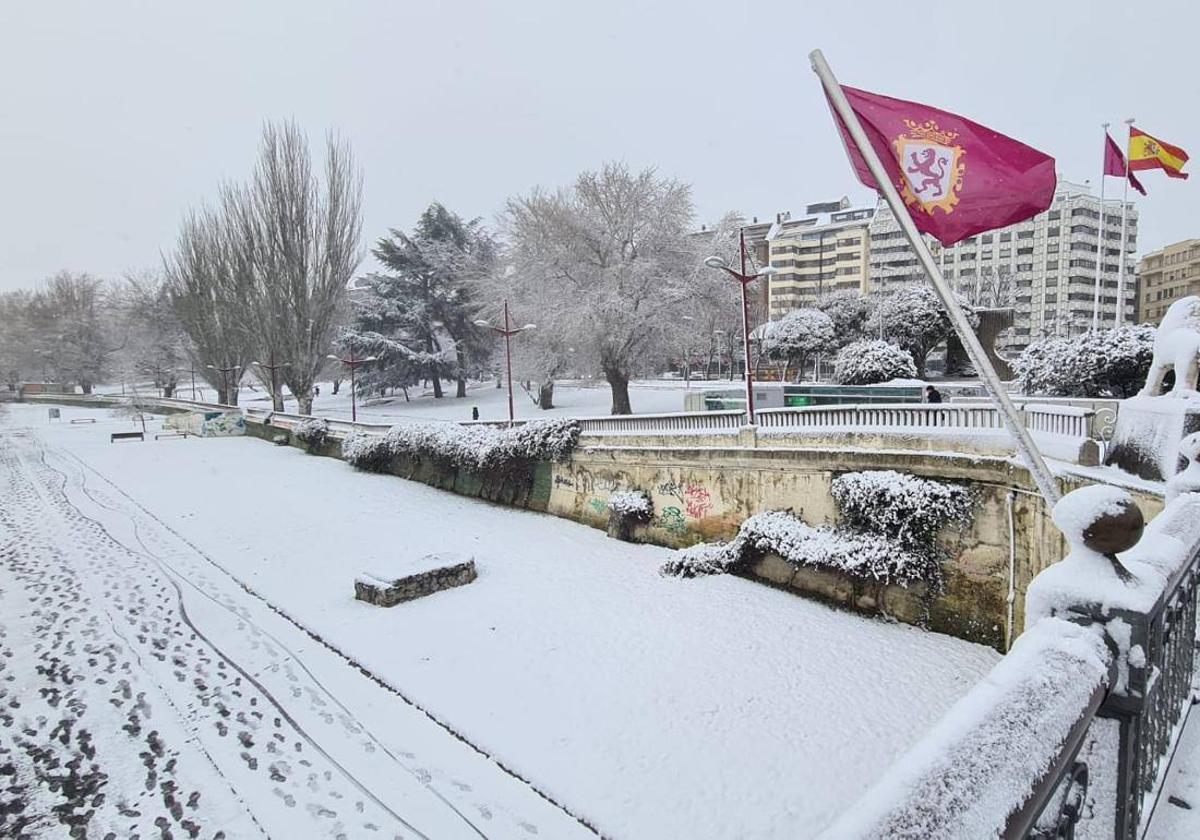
x: 694, y: 498
x: 671, y: 520
x: 223, y: 424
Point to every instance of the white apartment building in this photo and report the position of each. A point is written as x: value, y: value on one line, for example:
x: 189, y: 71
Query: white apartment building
x: 1044, y: 268
x: 824, y: 251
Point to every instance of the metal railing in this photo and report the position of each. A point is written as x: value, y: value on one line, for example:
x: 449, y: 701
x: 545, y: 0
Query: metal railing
x: 1136, y: 682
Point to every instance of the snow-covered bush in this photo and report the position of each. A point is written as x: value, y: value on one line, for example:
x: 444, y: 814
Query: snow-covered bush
x: 312, y: 432
x: 849, y: 311
x: 868, y: 362
x: 861, y: 555
x: 700, y: 560
x: 906, y: 508
x: 474, y: 448
x: 631, y: 504
x: 367, y: 452
x: 916, y: 320
x: 798, y: 335
x: 1106, y: 363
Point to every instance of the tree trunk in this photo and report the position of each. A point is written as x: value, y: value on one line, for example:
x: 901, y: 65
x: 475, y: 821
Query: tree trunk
x: 222, y: 396
x: 86, y: 387
x: 233, y: 395
x: 437, y: 384
x: 168, y: 390
x: 277, y: 401
x: 618, y: 381
x: 461, y: 390
x: 305, y: 403
x: 546, y: 395
x: 337, y: 383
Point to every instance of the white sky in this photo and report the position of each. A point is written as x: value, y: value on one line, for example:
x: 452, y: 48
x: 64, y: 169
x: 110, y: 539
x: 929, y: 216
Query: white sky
x: 117, y: 116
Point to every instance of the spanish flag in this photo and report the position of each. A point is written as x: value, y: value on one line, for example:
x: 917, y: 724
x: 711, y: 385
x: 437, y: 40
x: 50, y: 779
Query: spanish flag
x: 1146, y: 152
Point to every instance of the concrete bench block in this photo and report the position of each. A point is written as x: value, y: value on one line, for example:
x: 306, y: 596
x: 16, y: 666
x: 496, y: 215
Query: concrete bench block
x: 432, y: 573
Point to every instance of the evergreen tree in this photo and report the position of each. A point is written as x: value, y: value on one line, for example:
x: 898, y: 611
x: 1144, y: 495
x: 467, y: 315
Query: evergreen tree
x: 417, y: 318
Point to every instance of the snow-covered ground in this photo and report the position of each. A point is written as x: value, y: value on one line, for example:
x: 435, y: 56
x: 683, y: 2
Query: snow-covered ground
x: 575, y: 399
x: 645, y: 706
x: 1177, y: 815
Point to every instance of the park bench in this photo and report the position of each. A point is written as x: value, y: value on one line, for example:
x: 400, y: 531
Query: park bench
x: 179, y: 434
x: 116, y: 436
x: 83, y: 420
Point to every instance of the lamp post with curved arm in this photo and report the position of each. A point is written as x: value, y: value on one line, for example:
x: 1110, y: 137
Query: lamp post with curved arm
x: 744, y: 279
x: 354, y: 364
x: 508, y: 331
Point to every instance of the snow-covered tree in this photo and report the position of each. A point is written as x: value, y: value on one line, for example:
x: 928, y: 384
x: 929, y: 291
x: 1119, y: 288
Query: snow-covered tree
x: 263, y: 273
x: 606, y: 262
x: 867, y: 362
x: 798, y: 335
x: 155, y: 344
x: 915, y: 319
x: 418, y: 316
x: 849, y: 312
x: 72, y: 322
x: 1106, y: 363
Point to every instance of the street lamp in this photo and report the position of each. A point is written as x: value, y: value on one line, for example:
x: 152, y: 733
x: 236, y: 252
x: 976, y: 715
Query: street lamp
x: 354, y: 364
x: 271, y: 366
x: 225, y: 371
x: 744, y: 279
x: 508, y: 331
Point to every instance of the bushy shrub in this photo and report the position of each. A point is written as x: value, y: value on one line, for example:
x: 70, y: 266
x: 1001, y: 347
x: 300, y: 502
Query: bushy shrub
x: 631, y: 504
x: 367, y: 452
x: 474, y: 448
x: 862, y: 555
x: 700, y: 560
x: 1096, y: 364
x: 906, y: 508
x: 312, y: 432
x: 868, y: 362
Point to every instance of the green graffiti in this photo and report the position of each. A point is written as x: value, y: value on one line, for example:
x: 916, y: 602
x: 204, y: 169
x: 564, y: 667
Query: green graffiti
x: 671, y: 520
x: 598, y: 506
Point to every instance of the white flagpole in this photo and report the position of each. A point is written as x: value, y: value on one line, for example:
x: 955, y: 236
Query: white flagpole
x: 1100, y: 236
x: 1124, y: 214
x: 1041, y: 474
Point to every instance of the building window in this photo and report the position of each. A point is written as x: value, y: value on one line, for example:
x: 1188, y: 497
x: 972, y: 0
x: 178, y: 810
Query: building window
x: 1006, y: 237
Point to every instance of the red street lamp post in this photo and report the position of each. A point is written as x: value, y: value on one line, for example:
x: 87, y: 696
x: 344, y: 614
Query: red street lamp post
x: 744, y: 279
x: 508, y: 331
x: 271, y: 366
x: 354, y: 364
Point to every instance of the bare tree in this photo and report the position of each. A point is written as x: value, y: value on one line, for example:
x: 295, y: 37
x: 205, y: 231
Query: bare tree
x: 208, y: 289
x: 302, y: 237
x: 605, y: 263
x: 71, y: 318
x: 990, y: 288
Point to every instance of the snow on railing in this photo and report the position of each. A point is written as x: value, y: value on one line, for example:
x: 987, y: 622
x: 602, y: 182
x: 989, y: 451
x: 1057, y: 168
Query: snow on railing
x: 876, y: 415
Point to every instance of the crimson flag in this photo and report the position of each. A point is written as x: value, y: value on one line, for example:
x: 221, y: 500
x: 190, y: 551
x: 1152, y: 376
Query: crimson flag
x: 956, y: 176
x: 1114, y: 163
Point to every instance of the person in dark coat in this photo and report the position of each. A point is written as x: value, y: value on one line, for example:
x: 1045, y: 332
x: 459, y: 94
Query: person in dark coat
x: 932, y: 395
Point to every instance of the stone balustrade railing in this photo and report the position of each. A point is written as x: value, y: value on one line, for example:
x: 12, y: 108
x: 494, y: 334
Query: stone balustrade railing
x: 1063, y: 421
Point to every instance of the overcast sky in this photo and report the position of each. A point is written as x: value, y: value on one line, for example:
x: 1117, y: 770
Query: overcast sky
x: 117, y: 116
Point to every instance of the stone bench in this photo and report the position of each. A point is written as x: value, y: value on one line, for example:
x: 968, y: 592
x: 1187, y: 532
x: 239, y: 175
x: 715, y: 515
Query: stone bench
x: 431, y: 573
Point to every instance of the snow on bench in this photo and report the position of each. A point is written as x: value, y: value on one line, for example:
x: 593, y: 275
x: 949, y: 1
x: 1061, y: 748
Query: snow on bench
x: 424, y: 576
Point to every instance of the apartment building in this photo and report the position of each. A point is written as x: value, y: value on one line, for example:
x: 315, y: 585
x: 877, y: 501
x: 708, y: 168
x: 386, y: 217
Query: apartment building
x: 824, y: 251
x: 1165, y: 276
x: 1044, y: 267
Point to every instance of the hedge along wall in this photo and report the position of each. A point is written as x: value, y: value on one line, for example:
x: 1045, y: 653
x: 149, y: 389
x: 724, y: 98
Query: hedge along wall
x: 528, y: 489
x: 703, y: 494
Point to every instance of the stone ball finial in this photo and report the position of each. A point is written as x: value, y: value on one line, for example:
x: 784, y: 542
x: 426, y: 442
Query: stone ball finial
x: 1101, y: 518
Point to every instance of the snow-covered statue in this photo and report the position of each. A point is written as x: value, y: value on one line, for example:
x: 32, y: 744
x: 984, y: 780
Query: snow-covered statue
x: 1176, y: 347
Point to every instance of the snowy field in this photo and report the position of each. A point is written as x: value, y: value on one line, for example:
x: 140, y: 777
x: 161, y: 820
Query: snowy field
x: 643, y: 706
x: 577, y: 399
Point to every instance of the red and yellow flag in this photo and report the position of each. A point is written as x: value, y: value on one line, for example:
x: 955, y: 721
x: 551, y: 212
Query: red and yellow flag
x: 1146, y: 152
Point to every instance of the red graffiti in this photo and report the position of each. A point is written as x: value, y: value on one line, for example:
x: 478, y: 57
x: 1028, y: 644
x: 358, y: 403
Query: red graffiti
x: 697, y: 501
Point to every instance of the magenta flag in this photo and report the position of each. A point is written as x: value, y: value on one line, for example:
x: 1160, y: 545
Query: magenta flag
x: 956, y: 176
x: 1114, y: 163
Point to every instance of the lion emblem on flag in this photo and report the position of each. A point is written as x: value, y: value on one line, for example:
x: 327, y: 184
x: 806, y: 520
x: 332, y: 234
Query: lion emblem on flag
x: 932, y: 166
